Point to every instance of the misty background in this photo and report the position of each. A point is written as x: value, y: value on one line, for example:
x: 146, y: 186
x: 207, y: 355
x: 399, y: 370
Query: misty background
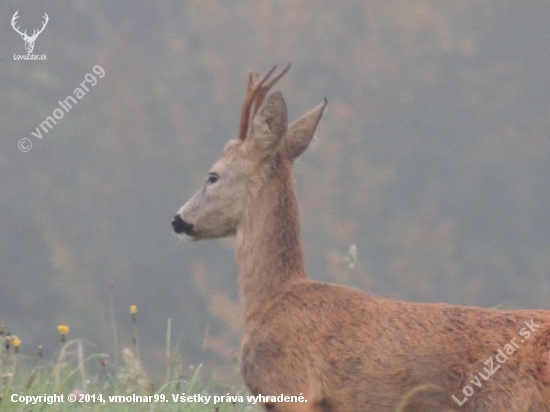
x: 433, y: 158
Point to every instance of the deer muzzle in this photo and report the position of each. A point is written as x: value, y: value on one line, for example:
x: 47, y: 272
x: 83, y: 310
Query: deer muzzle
x: 181, y: 226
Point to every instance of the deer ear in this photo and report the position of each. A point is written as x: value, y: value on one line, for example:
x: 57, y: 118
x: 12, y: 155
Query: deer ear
x: 270, y: 124
x: 300, y: 132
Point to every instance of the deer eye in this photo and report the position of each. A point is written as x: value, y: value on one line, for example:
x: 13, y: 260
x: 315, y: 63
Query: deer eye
x: 212, y: 178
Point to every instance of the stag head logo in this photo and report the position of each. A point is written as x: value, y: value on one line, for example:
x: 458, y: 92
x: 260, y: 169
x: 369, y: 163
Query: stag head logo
x: 29, y: 40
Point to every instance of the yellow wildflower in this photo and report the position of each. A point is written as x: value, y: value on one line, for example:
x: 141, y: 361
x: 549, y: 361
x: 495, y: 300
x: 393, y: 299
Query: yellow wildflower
x: 16, y: 342
x: 63, y: 330
x: 133, y: 311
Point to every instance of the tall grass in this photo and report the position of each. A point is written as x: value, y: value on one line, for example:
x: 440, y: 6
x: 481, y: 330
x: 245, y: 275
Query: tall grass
x: 87, y: 376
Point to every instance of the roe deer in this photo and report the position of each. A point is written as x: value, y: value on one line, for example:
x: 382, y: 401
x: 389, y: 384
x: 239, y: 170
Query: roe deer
x: 342, y: 349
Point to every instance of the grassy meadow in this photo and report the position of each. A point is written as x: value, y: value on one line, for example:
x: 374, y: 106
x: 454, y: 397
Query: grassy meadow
x: 76, y: 380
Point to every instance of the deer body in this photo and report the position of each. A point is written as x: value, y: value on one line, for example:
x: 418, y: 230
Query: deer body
x: 342, y: 349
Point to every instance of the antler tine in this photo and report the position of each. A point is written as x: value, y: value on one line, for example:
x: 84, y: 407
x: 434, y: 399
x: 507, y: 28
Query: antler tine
x: 278, y: 77
x: 15, y: 17
x: 255, y: 94
x: 14, y: 22
x: 263, y: 90
x: 248, y: 99
x: 46, y: 19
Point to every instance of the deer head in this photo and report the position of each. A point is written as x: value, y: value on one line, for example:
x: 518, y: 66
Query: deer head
x: 265, y: 144
x: 29, y: 40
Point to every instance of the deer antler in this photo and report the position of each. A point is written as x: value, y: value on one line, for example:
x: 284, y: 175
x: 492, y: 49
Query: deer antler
x: 35, y: 35
x: 255, y: 94
x: 13, y: 19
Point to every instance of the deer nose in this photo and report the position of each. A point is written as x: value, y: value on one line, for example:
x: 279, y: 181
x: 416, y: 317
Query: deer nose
x: 181, y: 226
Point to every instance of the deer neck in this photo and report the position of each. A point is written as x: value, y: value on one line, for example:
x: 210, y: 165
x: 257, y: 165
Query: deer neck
x: 269, y: 250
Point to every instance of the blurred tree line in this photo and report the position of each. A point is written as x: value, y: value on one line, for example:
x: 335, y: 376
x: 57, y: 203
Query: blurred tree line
x: 433, y: 157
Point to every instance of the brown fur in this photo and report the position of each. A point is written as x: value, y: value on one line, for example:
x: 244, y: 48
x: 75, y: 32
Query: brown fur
x: 345, y: 350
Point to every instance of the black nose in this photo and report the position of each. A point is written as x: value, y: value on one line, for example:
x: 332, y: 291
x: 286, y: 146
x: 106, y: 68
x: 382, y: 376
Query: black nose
x: 181, y: 226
